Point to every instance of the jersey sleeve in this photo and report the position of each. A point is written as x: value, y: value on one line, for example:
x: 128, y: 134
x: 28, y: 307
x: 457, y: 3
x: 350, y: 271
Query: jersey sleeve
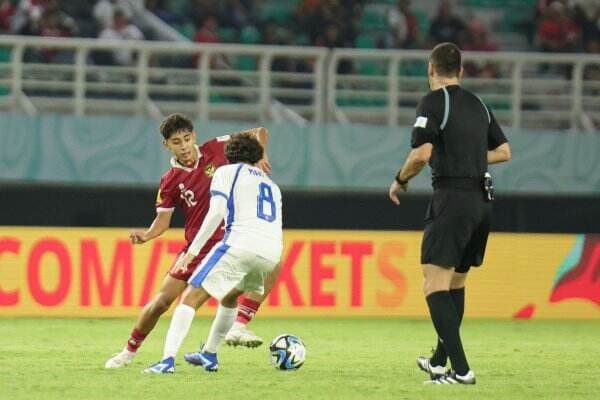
x: 164, y: 197
x: 427, y: 124
x: 495, y: 134
x: 221, y: 183
x: 217, y: 145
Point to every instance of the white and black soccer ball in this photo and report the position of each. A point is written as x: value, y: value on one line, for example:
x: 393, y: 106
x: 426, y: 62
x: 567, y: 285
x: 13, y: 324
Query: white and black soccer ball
x: 287, y: 352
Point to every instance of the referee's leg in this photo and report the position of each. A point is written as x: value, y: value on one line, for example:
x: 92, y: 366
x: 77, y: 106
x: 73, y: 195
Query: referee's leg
x: 457, y: 293
x: 444, y: 315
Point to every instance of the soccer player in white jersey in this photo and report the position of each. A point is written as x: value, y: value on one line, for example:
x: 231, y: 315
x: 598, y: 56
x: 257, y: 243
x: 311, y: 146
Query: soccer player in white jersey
x: 250, y: 203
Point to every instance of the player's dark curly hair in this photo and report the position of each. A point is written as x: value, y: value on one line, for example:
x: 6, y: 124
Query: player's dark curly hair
x: 244, y: 147
x: 175, y: 123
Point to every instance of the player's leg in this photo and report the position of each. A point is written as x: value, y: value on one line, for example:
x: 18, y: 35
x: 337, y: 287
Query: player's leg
x: 170, y: 290
x: 206, y: 357
x: 181, y: 321
x: 248, y: 306
x: 223, y: 321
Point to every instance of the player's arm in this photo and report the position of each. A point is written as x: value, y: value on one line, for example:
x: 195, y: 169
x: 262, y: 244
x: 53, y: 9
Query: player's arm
x: 216, y: 212
x: 160, y: 224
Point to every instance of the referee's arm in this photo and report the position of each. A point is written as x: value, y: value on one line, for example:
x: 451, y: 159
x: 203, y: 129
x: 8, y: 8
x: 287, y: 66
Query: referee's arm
x: 498, y: 147
x: 425, y: 129
x: 416, y: 160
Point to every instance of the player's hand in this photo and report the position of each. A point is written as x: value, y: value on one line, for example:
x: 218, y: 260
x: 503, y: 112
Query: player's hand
x: 395, y: 189
x: 265, y: 165
x: 137, y: 237
x: 183, y: 262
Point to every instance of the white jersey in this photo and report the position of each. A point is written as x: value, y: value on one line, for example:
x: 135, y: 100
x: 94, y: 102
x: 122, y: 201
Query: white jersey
x: 253, y: 221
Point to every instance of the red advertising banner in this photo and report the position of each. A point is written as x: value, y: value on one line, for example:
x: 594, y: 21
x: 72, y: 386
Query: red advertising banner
x: 96, y: 272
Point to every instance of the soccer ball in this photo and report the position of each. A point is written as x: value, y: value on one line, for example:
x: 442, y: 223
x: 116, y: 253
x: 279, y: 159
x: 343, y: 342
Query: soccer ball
x: 287, y: 352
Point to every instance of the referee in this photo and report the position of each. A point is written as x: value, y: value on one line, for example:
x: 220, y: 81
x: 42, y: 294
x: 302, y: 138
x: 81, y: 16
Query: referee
x: 458, y: 136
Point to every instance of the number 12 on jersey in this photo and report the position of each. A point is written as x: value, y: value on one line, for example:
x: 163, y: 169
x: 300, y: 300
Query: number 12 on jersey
x: 265, y: 198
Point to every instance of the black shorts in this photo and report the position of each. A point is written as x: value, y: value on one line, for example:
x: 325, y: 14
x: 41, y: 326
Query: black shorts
x: 457, y: 225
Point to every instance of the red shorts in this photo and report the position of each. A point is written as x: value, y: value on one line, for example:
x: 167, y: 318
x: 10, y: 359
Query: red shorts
x: 185, y: 275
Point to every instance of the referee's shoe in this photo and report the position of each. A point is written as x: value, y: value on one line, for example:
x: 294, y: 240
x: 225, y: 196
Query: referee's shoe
x: 452, y: 378
x: 424, y: 365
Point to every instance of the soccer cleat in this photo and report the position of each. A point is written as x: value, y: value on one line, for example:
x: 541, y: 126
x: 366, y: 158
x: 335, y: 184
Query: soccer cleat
x: 452, y: 378
x: 203, y: 359
x: 243, y: 337
x: 433, y: 371
x: 166, y: 366
x: 120, y: 360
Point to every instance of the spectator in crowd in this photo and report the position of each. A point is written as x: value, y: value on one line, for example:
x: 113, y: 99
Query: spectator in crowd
x: 26, y: 20
x: 587, y: 17
x: 235, y: 13
x: 331, y: 38
x: 200, y: 10
x: 7, y: 11
x: 557, y: 32
x: 104, y: 12
x: 122, y: 29
x: 55, y: 24
x: 478, y: 39
x: 447, y: 27
x: 404, y: 30
x: 313, y: 16
x: 273, y: 34
x: 209, y: 31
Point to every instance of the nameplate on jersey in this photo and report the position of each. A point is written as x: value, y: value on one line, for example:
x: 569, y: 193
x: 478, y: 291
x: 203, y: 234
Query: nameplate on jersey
x: 255, y: 172
x: 421, y: 122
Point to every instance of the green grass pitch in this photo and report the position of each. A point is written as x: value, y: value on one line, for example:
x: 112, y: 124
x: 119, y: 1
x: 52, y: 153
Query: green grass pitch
x: 347, y: 359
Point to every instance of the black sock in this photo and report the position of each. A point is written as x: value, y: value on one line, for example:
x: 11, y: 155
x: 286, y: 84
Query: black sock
x: 439, y: 356
x: 446, y: 323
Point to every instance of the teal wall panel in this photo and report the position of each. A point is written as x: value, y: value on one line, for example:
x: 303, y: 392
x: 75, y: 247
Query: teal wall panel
x: 121, y: 150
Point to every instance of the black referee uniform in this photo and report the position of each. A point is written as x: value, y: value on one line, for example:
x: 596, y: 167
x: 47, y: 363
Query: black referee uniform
x: 462, y: 130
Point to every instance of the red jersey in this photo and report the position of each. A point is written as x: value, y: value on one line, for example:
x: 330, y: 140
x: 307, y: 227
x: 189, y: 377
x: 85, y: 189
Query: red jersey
x: 189, y: 188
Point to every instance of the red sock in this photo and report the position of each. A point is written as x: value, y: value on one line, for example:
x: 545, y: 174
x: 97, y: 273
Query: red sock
x: 135, y: 340
x: 246, y: 310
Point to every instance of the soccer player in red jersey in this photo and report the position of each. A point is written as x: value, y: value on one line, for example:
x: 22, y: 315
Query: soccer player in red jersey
x: 185, y: 185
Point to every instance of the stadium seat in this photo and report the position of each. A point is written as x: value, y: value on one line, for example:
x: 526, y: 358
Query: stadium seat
x: 279, y: 11
x: 422, y: 22
x: 373, y: 19
x: 228, y: 35
x: 249, y: 35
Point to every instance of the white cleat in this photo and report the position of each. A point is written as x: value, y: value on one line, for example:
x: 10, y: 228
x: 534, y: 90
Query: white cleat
x: 120, y: 360
x: 243, y: 337
x: 424, y: 365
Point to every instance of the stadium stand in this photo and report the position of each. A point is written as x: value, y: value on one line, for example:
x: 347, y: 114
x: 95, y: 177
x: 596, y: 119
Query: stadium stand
x: 353, y: 81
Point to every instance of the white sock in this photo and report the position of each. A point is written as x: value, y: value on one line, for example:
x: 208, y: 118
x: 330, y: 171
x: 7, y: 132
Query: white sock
x: 220, y: 327
x: 178, y: 330
x: 238, y: 325
x: 130, y: 354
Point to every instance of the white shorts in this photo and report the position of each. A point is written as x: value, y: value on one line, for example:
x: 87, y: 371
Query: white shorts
x: 225, y: 268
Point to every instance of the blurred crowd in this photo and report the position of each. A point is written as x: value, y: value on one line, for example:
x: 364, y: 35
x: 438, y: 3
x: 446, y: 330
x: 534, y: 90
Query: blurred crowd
x: 550, y: 25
